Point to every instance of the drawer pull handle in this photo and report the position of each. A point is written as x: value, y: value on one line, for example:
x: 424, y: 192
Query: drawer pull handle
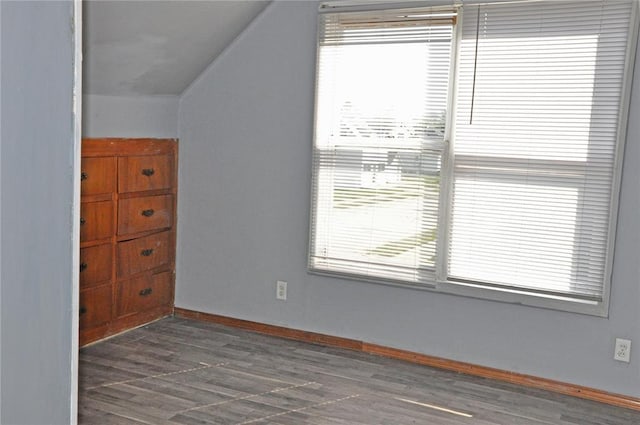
x: 148, y: 172
x: 148, y: 213
x: 146, y: 291
x: 83, y: 310
x: 146, y: 252
x: 84, y: 176
x: 83, y: 267
x: 82, y: 221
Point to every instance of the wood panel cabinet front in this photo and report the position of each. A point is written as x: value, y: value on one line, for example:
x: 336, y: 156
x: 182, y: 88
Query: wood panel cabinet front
x: 97, y: 175
x: 144, y: 293
x: 95, y: 307
x: 95, y: 265
x: 96, y: 220
x: 127, y: 234
x: 142, y: 254
x: 144, y: 214
x: 141, y: 173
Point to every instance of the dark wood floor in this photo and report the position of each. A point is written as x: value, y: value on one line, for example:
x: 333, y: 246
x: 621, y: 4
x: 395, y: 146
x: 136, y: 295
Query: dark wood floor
x: 177, y: 371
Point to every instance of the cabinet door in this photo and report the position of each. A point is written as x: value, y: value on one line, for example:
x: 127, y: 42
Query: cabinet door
x: 144, y: 293
x: 142, y: 254
x: 140, y: 173
x: 146, y: 213
x: 95, y: 307
x: 98, y: 175
x: 95, y: 265
x: 96, y: 220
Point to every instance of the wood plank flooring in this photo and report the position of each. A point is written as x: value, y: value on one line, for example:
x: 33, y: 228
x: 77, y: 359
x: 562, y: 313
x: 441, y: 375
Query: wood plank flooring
x: 177, y: 371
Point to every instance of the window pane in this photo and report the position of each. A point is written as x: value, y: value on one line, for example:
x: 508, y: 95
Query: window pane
x: 539, y: 92
x: 380, y: 122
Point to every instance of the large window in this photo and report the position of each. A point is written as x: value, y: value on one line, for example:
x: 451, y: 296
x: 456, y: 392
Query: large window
x: 472, y: 150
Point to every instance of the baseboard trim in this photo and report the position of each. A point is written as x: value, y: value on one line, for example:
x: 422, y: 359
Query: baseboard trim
x: 423, y: 359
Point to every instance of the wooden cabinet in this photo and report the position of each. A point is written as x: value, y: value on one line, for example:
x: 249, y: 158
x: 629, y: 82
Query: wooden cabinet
x: 143, y: 293
x: 96, y: 220
x: 142, y: 254
x: 95, y: 265
x: 146, y: 213
x: 127, y: 234
x: 98, y: 175
x: 95, y: 307
x: 140, y: 173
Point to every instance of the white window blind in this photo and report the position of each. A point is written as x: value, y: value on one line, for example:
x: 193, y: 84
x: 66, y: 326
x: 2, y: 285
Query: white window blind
x: 538, y: 102
x: 382, y: 93
x: 472, y: 149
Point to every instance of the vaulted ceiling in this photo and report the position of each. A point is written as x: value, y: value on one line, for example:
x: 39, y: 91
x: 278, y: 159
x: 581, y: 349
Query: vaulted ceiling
x: 149, y: 47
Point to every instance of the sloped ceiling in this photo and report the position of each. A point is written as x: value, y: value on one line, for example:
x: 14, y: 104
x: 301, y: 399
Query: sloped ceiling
x: 148, y: 47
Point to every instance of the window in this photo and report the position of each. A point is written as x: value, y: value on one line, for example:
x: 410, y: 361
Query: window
x: 474, y: 149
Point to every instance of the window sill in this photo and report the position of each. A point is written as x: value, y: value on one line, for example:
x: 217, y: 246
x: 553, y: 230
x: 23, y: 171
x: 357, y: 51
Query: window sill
x: 551, y: 302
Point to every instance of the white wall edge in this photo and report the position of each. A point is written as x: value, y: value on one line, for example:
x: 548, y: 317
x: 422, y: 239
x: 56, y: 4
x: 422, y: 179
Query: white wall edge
x: 75, y: 223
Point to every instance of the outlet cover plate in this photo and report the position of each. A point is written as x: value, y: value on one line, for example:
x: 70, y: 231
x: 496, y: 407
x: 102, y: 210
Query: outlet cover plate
x: 623, y: 350
x: 281, y: 290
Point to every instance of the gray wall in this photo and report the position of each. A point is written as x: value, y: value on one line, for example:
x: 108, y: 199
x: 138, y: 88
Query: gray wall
x: 245, y: 129
x: 122, y: 116
x: 37, y: 200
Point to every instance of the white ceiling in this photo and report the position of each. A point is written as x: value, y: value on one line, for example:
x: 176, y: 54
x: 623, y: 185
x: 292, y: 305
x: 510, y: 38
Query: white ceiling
x: 149, y: 47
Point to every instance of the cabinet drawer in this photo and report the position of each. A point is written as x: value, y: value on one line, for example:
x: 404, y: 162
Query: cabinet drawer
x: 142, y: 254
x: 95, y: 265
x: 98, y: 175
x: 139, y: 173
x: 144, y: 293
x: 95, y: 307
x: 146, y: 213
x: 96, y: 220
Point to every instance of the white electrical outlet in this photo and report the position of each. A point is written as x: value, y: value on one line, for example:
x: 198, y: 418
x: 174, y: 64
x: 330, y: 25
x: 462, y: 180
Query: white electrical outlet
x: 623, y: 350
x: 281, y: 290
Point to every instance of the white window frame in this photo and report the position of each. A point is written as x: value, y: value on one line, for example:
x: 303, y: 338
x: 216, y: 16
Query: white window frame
x: 473, y: 290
